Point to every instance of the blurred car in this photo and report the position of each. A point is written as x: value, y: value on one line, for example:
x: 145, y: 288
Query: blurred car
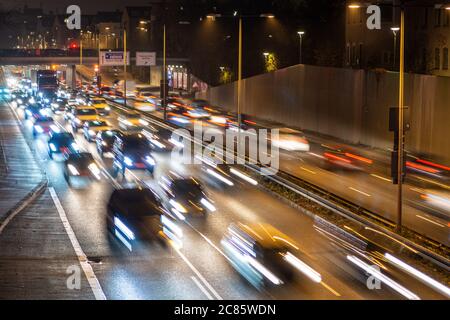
x: 346, y: 158
x: 5, y: 93
x: 92, y: 127
x: 135, y: 215
x: 424, y: 167
x: 100, y: 105
x: 291, y: 140
x: 42, y: 124
x: 184, y: 196
x: 81, y: 114
x: 132, y: 151
x: 33, y: 111
x: 59, y: 105
x: 263, y: 255
x: 105, y: 141
x: 143, y: 105
x: 62, y: 143
x: 131, y: 121
x: 81, y: 165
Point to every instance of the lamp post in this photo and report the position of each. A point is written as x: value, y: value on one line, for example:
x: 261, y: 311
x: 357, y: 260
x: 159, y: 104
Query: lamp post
x: 300, y: 35
x: 125, y: 67
x: 213, y: 16
x: 394, y: 31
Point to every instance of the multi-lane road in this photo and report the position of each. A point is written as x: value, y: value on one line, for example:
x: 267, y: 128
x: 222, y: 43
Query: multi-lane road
x: 200, y: 270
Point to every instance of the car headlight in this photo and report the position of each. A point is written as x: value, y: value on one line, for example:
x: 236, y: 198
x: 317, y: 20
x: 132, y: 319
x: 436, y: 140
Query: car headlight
x: 75, y: 146
x: 177, y: 206
x: 78, y: 121
x: 38, y: 129
x: 52, y: 147
x: 208, y: 204
x: 150, y: 160
x: 128, y: 161
x: 143, y: 122
x: 19, y: 101
x: 91, y: 132
x: 107, y: 108
x: 104, y: 144
x: 73, y: 170
x: 94, y: 169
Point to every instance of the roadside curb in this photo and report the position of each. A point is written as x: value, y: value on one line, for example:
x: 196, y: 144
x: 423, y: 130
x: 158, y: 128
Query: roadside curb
x: 23, y: 203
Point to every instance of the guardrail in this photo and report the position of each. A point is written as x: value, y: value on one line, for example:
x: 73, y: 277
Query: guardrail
x: 333, y: 206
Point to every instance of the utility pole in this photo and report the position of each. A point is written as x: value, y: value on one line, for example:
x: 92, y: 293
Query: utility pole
x: 401, y: 120
x: 125, y: 67
x: 239, y: 80
x: 164, y: 84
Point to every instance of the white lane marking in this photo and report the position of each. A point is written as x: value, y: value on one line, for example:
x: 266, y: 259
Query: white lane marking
x: 359, y: 191
x: 380, y: 177
x: 208, y: 241
x: 87, y: 268
x: 202, y: 288
x: 307, y: 170
x: 429, y: 220
x: 199, y: 275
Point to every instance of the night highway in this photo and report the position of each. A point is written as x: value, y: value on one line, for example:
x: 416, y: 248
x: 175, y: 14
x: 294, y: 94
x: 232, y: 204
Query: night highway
x: 204, y: 152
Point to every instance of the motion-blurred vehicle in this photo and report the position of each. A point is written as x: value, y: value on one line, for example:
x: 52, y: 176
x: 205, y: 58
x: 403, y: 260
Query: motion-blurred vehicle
x: 264, y: 255
x: 135, y: 215
x: 5, y: 93
x: 184, y: 195
x: 365, y: 251
x: 345, y: 158
x: 43, y: 124
x: 132, y: 151
x: 81, y: 166
x: 426, y: 170
x: 33, y: 111
x: 92, y: 127
x: 100, y: 105
x: 81, y: 114
x: 143, y: 105
x: 61, y: 143
x: 105, y: 141
x: 131, y: 121
x: 290, y: 140
x: 59, y: 105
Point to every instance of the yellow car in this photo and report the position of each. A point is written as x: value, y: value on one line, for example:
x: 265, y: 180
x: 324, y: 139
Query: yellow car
x: 91, y: 128
x: 131, y: 121
x: 82, y: 114
x: 101, y: 106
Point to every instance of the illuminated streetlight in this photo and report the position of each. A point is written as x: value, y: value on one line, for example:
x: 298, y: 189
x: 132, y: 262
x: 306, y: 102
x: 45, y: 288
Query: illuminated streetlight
x: 354, y: 6
x: 267, y: 15
x: 300, y: 35
x: 394, y: 31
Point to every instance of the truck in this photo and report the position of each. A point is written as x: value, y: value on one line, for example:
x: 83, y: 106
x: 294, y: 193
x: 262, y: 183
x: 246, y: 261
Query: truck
x: 47, y: 83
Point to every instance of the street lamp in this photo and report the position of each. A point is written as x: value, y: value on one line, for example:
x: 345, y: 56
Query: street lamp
x: 394, y: 31
x: 300, y: 35
x: 213, y: 16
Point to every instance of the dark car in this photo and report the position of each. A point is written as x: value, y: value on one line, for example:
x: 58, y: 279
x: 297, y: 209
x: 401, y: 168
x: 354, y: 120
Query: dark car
x: 105, y: 141
x: 33, y: 111
x: 59, y: 105
x: 263, y: 255
x: 62, y: 143
x: 42, y: 124
x: 132, y: 151
x: 81, y: 165
x: 137, y: 214
x: 185, y: 196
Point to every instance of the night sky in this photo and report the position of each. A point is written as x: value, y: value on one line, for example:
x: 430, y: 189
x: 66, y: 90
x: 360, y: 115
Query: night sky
x: 60, y: 6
